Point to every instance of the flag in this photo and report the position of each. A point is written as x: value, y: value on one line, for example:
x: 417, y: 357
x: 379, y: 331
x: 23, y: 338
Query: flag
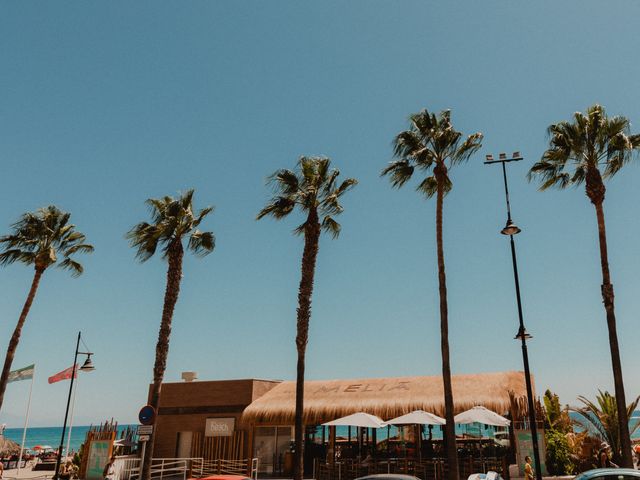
x: 64, y: 374
x: 25, y: 373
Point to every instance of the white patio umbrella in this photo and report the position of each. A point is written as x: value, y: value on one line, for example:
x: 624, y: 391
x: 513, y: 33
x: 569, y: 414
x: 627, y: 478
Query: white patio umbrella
x: 481, y: 415
x: 418, y: 417
x: 359, y: 419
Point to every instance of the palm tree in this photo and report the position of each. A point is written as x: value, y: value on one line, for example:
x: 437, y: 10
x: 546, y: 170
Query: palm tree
x: 577, y: 151
x: 38, y: 239
x: 172, y: 221
x: 314, y: 190
x: 600, y: 418
x: 428, y: 145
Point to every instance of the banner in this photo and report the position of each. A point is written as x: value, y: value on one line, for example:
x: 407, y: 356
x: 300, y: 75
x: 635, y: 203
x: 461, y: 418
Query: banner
x: 64, y: 374
x: 25, y: 373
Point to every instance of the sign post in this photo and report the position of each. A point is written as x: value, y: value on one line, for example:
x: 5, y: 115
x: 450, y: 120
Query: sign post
x: 147, y: 417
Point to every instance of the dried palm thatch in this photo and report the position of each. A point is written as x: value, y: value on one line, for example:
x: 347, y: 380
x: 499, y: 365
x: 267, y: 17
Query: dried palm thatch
x: 8, y: 447
x: 385, y: 397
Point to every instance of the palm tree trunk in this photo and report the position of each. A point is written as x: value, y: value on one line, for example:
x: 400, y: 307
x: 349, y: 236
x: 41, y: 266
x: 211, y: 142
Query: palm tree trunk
x: 174, y: 275
x: 305, y: 291
x: 607, y: 298
x: 15, y: 338
x: 449, y: 430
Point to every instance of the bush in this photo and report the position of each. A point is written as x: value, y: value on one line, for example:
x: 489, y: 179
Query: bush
x: 558, y: 453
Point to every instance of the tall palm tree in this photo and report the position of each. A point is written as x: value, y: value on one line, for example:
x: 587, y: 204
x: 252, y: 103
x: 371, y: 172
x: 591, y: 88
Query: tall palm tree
x: 38, y: 239
x: 314, y: 190
x: 172, y: 221
x: 600, y: 418
x: 432, y: 145
x: 577, y: 152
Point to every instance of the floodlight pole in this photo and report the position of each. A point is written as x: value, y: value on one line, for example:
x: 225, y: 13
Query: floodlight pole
x: 511, y: 229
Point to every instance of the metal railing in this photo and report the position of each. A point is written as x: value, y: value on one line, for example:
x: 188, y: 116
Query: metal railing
x: 202, y: 468
x: 435, y: 469
x: 128, y: 468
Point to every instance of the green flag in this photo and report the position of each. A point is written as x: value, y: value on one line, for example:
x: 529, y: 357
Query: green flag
x: 25, y: 373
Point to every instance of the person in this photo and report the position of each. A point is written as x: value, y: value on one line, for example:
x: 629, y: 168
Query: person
x: 109, y: 472
x: 528, y: 469
x: 604, y: 458
x: 1, y: 468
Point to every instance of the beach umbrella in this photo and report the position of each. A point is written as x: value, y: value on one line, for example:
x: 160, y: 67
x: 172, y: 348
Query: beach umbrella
x: 418, y: 417
x: 8, y: 447
x: 359, y: 419
x: 481, y: 415
x: 42, y: 447
x: 123, y: 442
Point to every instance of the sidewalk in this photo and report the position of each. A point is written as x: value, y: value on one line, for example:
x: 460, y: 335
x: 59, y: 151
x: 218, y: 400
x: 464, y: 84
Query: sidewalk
x: 26, y: 473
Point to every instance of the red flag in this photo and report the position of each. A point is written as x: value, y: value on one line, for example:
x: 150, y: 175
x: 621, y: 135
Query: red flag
x: 64, y: 374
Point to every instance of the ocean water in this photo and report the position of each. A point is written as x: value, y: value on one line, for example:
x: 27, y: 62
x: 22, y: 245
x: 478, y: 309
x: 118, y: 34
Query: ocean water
x: 51, y: 436
x: 633, y: 422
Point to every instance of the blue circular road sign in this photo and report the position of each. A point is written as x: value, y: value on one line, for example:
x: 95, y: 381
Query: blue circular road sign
x: 147, y: 415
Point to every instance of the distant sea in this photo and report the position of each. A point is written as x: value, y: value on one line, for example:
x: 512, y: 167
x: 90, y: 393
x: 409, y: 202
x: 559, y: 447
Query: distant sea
x: 635, y: 420
x: 51, y: 436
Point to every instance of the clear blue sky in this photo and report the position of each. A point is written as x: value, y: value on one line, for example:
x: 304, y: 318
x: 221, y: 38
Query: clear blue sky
x: 105, y: 104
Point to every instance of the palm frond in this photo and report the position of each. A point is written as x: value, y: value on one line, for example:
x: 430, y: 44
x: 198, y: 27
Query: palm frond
x: 40, y: 237
x: 74, y: 267
x: 400, y: 172
x: 330, y: 226
x: 285, y: 182
x: 470, y: 146
x: 78, y: 248
x: 429, y: 186
x: 592, y: 138
x: 172, y: 219
x: 278, y: 208
x: 202, y: 243
x: 430, y: 139
x: 312, y: 188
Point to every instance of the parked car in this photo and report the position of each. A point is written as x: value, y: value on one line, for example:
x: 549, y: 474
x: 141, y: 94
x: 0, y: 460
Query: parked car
x: 490, y: 475
x: 609, y: 474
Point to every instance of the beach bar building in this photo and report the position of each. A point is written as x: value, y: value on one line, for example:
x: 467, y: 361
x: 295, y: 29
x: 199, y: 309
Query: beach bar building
x: 241, y: 419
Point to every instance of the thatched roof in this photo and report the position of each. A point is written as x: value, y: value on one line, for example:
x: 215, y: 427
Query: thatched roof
x: 326, y: 400
x: 8, y: 447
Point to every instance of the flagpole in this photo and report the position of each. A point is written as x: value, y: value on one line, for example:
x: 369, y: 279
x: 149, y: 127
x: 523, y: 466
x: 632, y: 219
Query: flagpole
x: 73, y: 407
x: 26, y: 421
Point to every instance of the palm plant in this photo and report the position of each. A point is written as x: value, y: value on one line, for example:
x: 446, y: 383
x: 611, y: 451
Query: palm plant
x: 313, y: 190
x: 577, y: 152
x: 38, y: 239
x: 600, y: 418
x: 432, y: 145
x: 556, y: 417
x: 172, y: 221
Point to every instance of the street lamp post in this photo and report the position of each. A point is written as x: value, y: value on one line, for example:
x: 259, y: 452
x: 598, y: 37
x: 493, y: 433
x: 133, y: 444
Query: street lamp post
x: 512, y: 229
x: 87, y: 366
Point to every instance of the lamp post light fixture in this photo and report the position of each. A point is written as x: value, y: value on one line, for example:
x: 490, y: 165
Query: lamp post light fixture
x: 87, y: 366
x: 512, y: 229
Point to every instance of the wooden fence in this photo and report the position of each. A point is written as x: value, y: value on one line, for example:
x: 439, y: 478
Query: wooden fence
x: 219, y: 448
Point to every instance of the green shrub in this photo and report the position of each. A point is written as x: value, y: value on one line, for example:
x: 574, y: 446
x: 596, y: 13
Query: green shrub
x: 558, y: 453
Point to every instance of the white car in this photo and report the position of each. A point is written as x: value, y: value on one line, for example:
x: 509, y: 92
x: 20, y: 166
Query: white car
x: 485, y: 476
